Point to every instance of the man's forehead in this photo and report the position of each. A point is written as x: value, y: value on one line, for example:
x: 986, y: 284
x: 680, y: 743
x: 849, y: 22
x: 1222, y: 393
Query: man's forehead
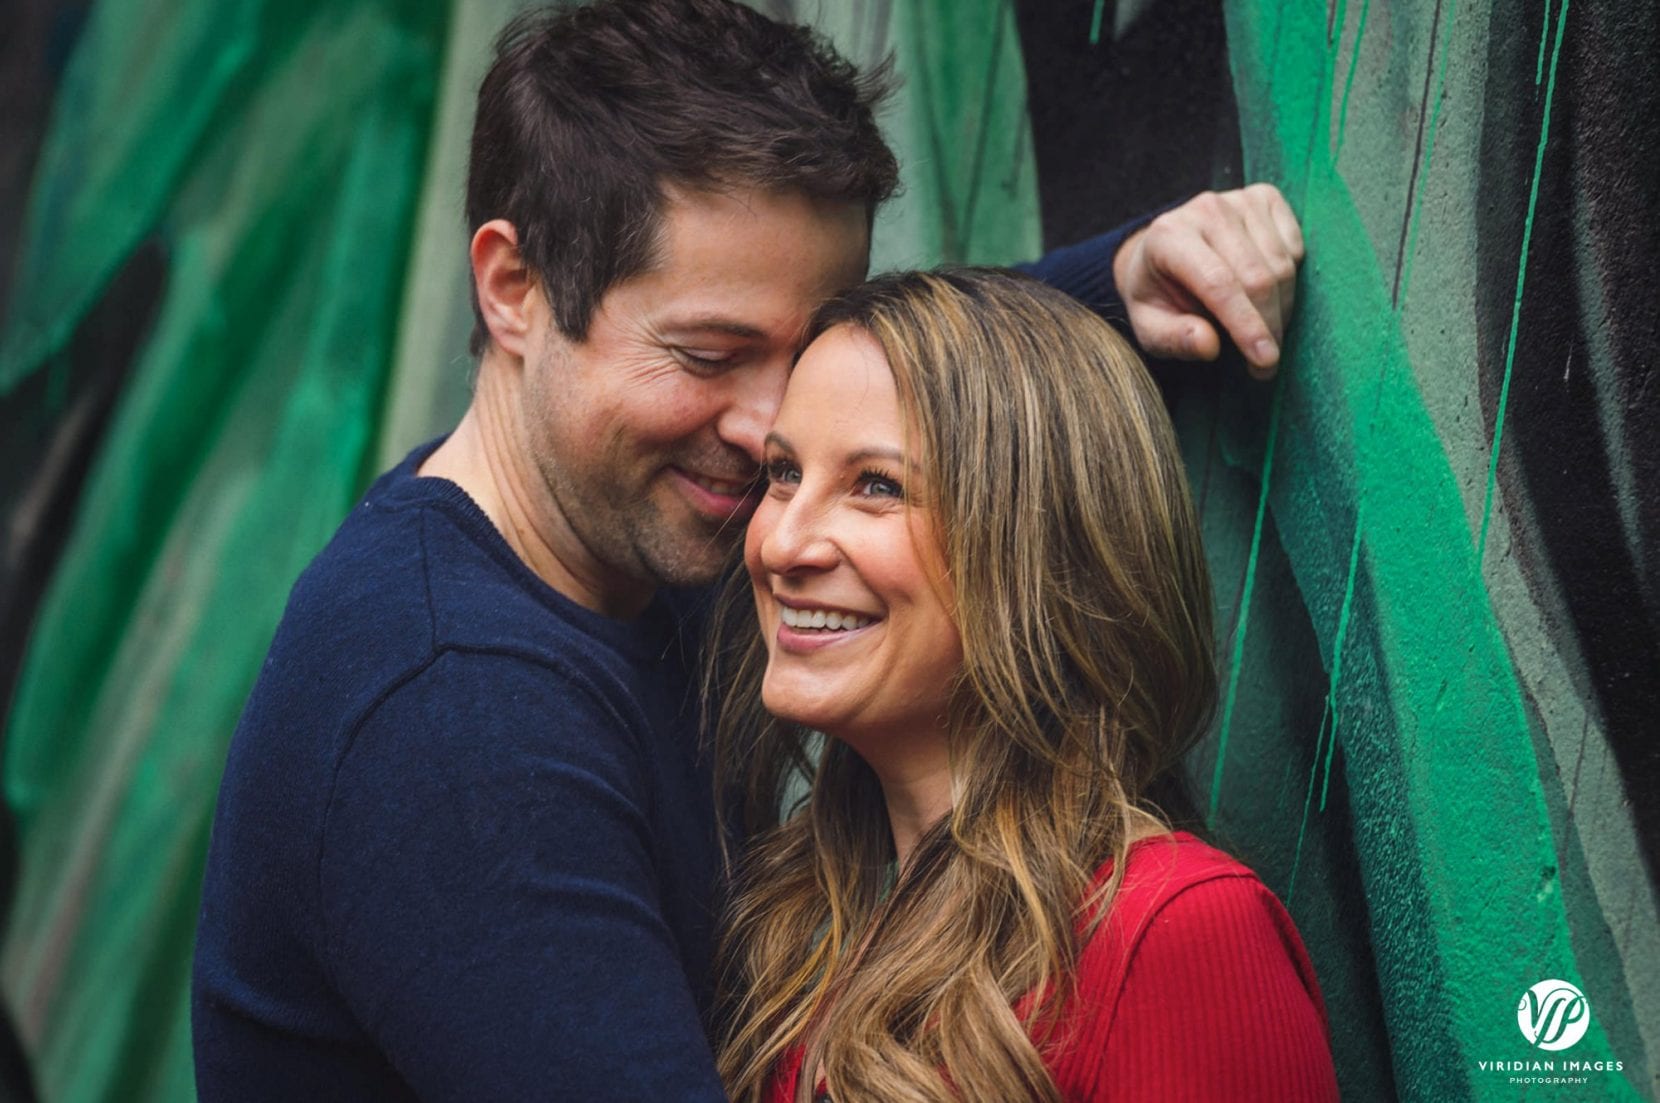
x: 750, y: 265
x: 743, y: 234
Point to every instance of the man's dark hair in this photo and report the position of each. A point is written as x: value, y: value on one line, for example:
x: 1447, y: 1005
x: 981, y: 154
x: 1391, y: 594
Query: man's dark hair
x: 587, y: 112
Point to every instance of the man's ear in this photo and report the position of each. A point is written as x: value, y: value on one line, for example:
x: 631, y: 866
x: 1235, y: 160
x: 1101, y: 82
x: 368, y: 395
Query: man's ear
x: 509, y: 294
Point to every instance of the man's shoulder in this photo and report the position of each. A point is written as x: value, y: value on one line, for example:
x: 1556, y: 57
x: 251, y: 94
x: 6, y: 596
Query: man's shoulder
x: 358, y: 618
x: 417, y: 591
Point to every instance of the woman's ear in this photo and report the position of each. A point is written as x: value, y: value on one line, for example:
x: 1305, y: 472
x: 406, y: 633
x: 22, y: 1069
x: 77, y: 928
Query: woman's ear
x: 507, y: 290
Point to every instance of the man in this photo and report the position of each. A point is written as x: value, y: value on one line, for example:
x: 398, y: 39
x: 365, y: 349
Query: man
x: 464, y: 845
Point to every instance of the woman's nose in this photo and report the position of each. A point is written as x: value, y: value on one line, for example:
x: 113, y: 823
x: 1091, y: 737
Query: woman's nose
x: 799, y: 538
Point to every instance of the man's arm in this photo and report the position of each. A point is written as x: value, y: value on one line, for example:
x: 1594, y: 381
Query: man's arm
x: 491, y: 900
x: 1225, y: 259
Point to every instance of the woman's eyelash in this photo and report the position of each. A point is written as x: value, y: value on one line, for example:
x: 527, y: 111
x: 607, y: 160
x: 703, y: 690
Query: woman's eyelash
x: 778, y: 471
x: 872, y: 474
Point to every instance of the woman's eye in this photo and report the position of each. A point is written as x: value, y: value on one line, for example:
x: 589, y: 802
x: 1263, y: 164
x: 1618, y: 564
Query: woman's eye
x: 877, y: 485
x: 781, y: 471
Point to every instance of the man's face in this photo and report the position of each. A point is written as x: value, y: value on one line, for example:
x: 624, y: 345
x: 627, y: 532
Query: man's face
x: 648, y: 434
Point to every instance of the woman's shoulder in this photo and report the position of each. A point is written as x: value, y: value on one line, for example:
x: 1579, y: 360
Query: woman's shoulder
x: 1162, y: 867
x: 1178, y: 889
x: 1193, y: 944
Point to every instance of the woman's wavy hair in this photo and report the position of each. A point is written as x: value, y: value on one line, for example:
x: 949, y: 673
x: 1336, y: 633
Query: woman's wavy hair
x: 1084, y: 605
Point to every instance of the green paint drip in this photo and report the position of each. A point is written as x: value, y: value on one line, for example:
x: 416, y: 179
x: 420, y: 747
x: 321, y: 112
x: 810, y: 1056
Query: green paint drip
x: 1238, y: 659
x: 1423, y: 171
x: 1329, y: 713
x: 1521, y: 281
x: 1337, y: 644
x: 1308, y: 802
x: 1095, y: 23
x: 1544, y: 37
x: 1349, y: 81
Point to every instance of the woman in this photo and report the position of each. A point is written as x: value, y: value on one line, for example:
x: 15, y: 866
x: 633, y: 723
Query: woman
x: 977, y: 571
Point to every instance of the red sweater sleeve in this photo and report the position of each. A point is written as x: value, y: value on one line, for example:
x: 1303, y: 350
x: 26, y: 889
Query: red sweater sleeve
x: 1216, y: 1000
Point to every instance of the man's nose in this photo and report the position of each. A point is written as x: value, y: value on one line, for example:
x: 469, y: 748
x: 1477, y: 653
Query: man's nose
x: 756, y: 394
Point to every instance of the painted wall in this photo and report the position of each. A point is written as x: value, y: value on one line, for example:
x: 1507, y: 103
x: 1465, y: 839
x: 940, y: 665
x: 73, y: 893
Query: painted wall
x: 236, y: 296
x: 1433, y: 539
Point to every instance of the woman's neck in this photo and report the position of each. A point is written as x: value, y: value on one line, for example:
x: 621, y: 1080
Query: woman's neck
x: 915, y: 774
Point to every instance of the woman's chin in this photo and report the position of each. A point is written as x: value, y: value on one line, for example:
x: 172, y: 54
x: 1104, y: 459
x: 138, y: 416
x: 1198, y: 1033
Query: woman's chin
x: 795, y: 705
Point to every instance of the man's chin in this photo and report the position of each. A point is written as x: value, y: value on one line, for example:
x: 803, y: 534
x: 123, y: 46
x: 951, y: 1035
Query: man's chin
x: 700, y: 558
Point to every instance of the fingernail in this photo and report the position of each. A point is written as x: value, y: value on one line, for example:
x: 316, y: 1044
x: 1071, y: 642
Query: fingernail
x: 1265, y: 351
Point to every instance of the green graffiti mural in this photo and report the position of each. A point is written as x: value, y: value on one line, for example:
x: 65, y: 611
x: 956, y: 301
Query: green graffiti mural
x: 239, y: 291
x: 1411, y: 700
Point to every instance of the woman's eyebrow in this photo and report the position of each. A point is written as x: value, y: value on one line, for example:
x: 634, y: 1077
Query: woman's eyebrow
x: 777, y: 440
x: 893, y: 455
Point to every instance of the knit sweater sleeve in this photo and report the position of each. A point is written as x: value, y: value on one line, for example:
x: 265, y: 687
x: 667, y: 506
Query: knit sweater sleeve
x: 493, y: 915
x: 1216, y: 1000
x: 1084, y: 269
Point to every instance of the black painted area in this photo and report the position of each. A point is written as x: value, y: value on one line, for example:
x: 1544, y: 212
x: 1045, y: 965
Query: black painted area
x: 1126, y: 126
x: 36, y: 37
x: 1580, y: 451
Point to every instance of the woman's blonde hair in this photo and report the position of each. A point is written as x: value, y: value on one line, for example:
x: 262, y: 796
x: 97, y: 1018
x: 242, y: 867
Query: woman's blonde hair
x: 1084, y: 606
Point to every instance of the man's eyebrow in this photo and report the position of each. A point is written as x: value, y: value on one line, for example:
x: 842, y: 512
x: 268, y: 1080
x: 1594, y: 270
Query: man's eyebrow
x: 714, y: 323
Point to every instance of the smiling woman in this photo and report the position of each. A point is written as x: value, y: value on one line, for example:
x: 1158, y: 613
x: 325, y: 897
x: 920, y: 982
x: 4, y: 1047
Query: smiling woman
x: 977, y: 570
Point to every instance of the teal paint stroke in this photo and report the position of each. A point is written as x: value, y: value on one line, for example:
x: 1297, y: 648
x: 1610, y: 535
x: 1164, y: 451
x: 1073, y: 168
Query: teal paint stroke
x: 1095, y: 23
x: 1448, y: 810
x: 1521, y: 283
x: 1440, y: 53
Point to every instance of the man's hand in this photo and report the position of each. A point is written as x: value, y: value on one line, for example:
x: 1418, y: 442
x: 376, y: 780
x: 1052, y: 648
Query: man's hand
x: 1221, y: 257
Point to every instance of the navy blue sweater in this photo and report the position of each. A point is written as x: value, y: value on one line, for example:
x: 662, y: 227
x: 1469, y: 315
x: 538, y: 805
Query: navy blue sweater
x: 464, y: 847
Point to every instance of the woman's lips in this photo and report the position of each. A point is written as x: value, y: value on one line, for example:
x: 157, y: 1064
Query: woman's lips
x: 805, y: 641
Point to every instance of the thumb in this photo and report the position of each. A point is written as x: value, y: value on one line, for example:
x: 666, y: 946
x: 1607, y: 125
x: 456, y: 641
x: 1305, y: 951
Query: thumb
x: 1174, y: 334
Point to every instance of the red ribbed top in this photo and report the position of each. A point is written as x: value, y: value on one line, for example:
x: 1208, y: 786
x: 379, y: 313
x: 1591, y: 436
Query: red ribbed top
x: 1195, y: 987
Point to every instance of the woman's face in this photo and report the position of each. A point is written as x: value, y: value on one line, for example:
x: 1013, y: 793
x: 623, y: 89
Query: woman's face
x: 850, y: 582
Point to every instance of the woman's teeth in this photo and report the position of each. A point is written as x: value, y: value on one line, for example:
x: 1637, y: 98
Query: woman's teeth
x: 821, y: 618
